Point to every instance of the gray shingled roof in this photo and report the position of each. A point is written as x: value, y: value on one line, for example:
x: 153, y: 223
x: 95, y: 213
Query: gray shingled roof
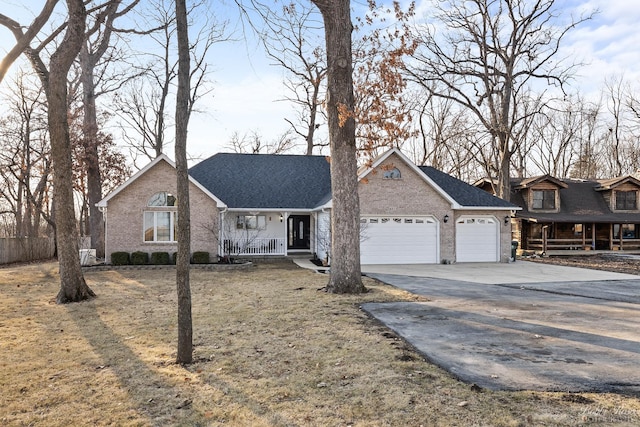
x: 579, y: 203
x: 269, y: 181
x: 466, y: 195
x: 265, y: 180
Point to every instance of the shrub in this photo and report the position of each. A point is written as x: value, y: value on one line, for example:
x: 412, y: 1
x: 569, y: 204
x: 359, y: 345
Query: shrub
x: 200, y: 258
x: 120, y: 258
x: 160, y: 258
x: 139, y: 258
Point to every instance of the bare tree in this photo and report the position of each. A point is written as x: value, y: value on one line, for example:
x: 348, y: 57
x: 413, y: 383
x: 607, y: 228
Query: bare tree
x: 554, y: 139
x: 183, y: 110
x: 25, y: 163
x: 490, y: 54
x: 586, y: 144
x: 73, y: 286
x: 143, y: 107
x: 289, y: 40
x: 112, y: 164
x: 253, y: 143
x: 623, y: 149
x: 23, y: 39
x: 345, y: 218
x: 445, y: 137
x: 93, y: 50
x: 54, y: 80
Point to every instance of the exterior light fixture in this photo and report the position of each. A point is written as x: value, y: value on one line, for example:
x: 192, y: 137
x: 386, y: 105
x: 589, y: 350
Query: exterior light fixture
x: 281, y: 218
x: 446, y: 219
x: 507, y: 219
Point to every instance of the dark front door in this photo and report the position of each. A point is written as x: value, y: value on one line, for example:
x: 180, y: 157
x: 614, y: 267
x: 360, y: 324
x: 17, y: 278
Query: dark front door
x: 299, y: 227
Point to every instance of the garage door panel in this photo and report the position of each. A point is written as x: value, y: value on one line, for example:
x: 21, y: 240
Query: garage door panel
x: 477, y: 239
x: 387, y: 240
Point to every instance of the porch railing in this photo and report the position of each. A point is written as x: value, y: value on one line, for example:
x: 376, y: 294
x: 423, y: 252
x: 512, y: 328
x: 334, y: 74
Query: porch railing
x: 258, y: 246
x: 626, y: 244
x: 575, y: 244
x: 554, y: 244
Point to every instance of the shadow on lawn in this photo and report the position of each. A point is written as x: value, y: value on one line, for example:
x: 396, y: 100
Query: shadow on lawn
x: 154, y: 396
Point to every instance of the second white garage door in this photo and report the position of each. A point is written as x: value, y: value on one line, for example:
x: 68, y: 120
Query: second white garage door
x: 477, y: 239
x: 399, y: 240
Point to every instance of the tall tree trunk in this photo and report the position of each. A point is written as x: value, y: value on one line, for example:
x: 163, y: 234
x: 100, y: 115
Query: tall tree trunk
x: 345, y: 215
x: 185, y: 328
x: 504, y: 177
x: 73, y: 286
x: 90, y: 146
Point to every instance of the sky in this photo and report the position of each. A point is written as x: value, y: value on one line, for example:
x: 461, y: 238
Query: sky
x: 248, y: 90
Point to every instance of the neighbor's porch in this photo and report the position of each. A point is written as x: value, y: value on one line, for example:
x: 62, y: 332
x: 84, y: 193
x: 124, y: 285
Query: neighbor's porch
x: 579, y: 237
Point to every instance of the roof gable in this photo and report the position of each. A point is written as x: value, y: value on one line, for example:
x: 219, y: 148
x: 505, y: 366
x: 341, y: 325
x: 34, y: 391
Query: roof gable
x: 161, y: 158
x: 530, y: 182
x: 266, y: 181
x: 610, y: 184
x: 458, y: 193
x: 367, y: 170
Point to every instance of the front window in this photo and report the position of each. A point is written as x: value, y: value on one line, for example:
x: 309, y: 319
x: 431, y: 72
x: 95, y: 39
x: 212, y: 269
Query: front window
x: 577, y: 229
x: 628, y: 231
x: 626, y: 200
x: 544, y: 199
x: 160, y: 226
x: 251, y: 222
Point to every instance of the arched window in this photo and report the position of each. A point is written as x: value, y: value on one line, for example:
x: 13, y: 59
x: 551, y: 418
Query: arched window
x: 162, y: 198
x: 392, y: 174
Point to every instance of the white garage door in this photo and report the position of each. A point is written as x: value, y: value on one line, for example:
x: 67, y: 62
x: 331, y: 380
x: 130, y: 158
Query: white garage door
x: 398, y: 240
x: 477, y: 239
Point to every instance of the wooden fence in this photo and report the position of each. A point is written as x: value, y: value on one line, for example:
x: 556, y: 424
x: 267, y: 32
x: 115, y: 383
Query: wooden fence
x: 26, y: 249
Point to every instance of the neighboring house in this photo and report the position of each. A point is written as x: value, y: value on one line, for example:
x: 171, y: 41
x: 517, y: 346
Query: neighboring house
x: 569, y: 214
x: 278, y: 205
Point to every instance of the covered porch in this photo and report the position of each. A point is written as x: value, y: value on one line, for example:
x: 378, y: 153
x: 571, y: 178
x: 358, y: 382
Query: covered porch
x: 269, y: 233
x: 559, y: 237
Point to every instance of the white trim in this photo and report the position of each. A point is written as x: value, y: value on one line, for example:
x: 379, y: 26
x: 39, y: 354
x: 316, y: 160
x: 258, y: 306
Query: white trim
x: 489, y: 208
x: 259, y: 210
x: 328, y: 205
x: 105, y: 201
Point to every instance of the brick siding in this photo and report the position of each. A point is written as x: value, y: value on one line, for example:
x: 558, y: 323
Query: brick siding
x: 125, y: 211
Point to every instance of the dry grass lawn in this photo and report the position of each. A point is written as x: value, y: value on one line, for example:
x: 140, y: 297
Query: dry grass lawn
x: 271, y: 349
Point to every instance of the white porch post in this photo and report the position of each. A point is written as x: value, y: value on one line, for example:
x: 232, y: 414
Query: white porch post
x: 286, y: 233
x: 221, y: 233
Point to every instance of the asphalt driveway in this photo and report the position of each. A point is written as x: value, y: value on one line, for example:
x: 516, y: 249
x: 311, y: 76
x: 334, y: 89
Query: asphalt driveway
x: 520, y: 326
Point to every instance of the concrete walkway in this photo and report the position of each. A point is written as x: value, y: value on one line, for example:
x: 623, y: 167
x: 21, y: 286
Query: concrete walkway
x: 580, y: 332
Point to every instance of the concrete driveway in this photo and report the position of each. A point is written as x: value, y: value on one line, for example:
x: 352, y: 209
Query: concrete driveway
x: 520, y: 326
